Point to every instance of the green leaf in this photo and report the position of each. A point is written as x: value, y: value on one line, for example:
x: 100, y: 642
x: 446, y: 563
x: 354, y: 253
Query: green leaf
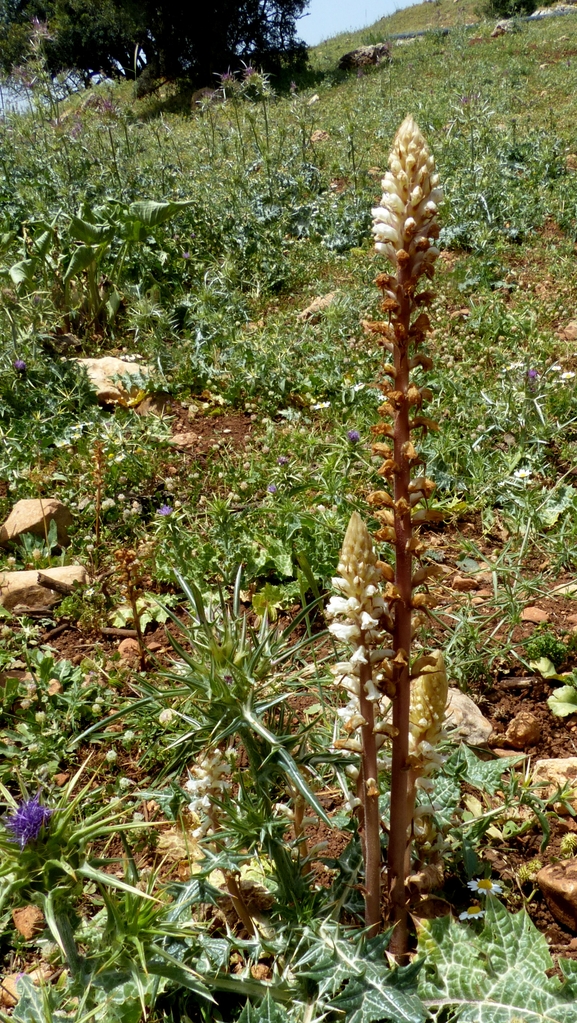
x: 356, y: 979
x: 90, y: 234
x: 563, y: 702
x: 497, y: 976
x: 546, y: 668
x: 153, y: 213
x: 30, y: 1008
x: 111, y: 881
x: 266, y: 1012
x: 481, y: 774
x: 556, y: 503
x: 22, y: 271
x: 82, y: 257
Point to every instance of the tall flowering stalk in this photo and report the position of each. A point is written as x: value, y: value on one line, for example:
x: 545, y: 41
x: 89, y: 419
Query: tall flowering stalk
x: 405, y: 229
x: 377, y: 603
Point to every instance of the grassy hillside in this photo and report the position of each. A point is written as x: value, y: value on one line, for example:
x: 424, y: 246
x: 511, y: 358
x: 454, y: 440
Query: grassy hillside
x: 246, y: 443
x: 415, y: 18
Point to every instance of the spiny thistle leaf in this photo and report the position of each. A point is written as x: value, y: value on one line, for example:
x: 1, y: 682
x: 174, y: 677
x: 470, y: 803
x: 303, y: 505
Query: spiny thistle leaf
x: 497, y: 976
x: 267, y: 1012
x: 356, y: 980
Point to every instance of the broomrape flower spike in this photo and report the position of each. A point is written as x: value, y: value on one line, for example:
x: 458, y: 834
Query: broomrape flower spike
x: 27, y: 821
x: 405, y: 229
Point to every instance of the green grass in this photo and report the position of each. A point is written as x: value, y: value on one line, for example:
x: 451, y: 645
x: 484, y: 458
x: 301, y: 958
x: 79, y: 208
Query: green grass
x: 209, y: 299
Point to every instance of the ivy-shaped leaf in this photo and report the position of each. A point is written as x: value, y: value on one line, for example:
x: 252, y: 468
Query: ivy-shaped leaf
x: 563, y: 702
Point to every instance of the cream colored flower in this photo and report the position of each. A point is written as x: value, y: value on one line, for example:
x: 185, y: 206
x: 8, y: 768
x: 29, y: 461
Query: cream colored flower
x: 405, y: 221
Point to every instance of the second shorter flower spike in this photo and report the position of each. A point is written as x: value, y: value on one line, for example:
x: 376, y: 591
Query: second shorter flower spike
x: 429, y: 692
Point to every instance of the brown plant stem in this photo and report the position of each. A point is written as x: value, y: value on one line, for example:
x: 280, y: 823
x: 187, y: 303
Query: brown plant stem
x: 370, y: 797
x: 401, y: 813
x: 239, y: 904
x: 300, y: 837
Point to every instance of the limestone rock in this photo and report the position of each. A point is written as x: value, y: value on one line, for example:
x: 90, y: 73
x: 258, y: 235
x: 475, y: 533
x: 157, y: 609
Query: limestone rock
x: 319, y: 135
x: 8, y: 993
x: 500, y: 28
x: 34, y: 516
x: 558, y: 882
x: 155, y: 405
x: 317, y: 306
x: 102, y: 374
x: 569, y: 332
x: 22, y: 588
x: 185, y: 440
x: 535, y: 615
x: 129, y: 650
x: 464, y: 584
x: 364, y: 56
x: 464, y: 716
x: 523, y: 730
x: 28, y: 921
x: 557, y: 772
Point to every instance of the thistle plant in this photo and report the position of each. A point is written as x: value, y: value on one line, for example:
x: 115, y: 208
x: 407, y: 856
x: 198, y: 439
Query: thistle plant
x: 379, y: 600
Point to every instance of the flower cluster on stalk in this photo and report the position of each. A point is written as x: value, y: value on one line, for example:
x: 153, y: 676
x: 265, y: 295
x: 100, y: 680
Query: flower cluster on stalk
x: 209, y: 781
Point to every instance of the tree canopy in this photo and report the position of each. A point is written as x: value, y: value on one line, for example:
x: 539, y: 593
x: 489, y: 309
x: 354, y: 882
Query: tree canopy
x: 172, y: 39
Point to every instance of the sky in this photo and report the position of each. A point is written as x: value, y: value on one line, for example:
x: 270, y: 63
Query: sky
x: 325, y: 18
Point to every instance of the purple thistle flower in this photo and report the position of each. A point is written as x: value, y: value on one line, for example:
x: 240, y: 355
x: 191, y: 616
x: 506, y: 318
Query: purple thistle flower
x: 165, y: 509
x: 19, y: 365
x: 532, y: 374
x: 354, y: 436
x: 186, y: 255
x: 27, y: 821
x: 249, y: 72
x: 271, y: 488
x: 282, y: 460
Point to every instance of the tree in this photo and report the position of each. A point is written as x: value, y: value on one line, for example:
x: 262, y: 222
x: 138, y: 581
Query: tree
x: 170, y: 38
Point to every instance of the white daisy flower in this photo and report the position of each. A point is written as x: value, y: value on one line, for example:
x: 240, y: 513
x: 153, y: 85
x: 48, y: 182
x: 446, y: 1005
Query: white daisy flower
x: 484, y: 885
x: 472, y: 913
x: 522, y: 474
x: 567, y: 375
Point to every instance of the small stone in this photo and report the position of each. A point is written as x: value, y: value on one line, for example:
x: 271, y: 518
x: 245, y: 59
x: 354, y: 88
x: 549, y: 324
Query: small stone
x: 505, y: 753
x: 464, y: 584
x: 34, y: 516
x: 185, y: 440
x: 317, y: 306
x: 499, y: 30
x: 21, y: 589
x: 319, y: 136
x: 54, y: 687
x: 524, y: 730
x: 558, y: 882
x: 569, y: 332
x: 464, y: 716
x: 364, y: 56
x: 460, y: 314
x: 8, y: 993
x: 129, y: 649
x: 28, y: 921
x: 571, y: 161
x: 103, y: 375
x: 155, y: 405
x: 557, y: 772
x: 535, y: 615
x: 61, y: 778
x: 153, y: 646
x: 572, y: 619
